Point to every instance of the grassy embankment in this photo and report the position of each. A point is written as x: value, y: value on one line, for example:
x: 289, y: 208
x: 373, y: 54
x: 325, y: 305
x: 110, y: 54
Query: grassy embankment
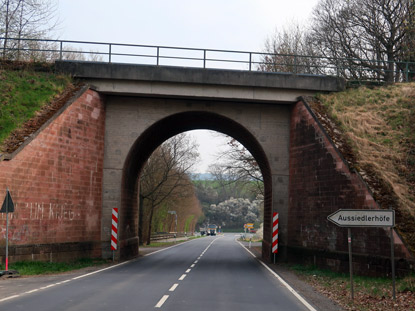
x: 22, y: 95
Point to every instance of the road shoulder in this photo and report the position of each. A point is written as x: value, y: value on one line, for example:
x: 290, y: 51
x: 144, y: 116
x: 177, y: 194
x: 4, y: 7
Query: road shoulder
x: 311, y: 295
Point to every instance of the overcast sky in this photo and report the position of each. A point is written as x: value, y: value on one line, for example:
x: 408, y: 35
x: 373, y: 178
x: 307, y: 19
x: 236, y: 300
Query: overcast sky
x: 215, y: 24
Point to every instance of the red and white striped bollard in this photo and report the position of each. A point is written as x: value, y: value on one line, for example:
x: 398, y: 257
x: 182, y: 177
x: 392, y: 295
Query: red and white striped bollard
x: 275, y: 234
x: 114, y: 231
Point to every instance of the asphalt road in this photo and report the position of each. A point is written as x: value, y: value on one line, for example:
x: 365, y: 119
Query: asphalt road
x: 212, y: 273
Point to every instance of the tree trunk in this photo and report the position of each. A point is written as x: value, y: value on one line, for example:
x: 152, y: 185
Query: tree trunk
x: 390, y: 73
x: 20, y: 31
x: 6, y: 29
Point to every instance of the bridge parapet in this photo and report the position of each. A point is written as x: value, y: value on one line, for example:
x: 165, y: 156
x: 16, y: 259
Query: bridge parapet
x: 149, y: 80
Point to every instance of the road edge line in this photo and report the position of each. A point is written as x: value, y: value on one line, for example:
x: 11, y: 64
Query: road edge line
x: 292, y: 290
x: 164, y: 249
x: 10, y: 297
x: 65, y: 281
x: 89, y: 274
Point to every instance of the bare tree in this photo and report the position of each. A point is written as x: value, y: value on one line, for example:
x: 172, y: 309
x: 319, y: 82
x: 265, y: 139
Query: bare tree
x: 408, y: 43
x: 238, y: 167
x: 364, y: 37
x: 25, y: 19
x: 289, y: 50
x: 165, y: 176
x: 187, y: 208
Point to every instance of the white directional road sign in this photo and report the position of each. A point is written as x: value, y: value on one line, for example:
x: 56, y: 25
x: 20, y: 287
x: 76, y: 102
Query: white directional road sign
x: 363, y: 218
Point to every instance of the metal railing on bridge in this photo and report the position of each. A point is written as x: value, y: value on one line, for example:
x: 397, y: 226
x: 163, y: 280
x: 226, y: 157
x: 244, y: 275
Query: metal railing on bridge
x: 167, y: 235
x: 348, y: 68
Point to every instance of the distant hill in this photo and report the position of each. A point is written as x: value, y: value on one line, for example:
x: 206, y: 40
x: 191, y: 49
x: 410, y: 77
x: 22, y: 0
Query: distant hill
x: 201, y: 176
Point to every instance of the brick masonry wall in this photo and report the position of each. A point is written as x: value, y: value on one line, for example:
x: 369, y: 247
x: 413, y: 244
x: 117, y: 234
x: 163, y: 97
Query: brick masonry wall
x: 56, y: 184
x: 320, y: 184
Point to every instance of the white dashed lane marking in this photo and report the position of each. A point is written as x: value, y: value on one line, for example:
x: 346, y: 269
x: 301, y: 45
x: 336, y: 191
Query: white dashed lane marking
x: 173, y: 288
x: 162, y: 301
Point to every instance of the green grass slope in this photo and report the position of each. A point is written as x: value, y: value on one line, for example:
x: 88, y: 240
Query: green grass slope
x: 23, y: 93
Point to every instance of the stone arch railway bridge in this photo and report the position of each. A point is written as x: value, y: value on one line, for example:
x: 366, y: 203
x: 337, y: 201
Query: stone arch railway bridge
x: 66, y: 178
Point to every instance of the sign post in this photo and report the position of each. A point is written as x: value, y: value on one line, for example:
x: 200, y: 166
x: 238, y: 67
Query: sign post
x: 364, y: 218
x: 349, y: 242
x: 7, y: 207
x: 393, y: 262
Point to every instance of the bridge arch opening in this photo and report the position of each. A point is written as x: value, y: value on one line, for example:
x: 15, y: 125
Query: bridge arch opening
x: 161, y: 131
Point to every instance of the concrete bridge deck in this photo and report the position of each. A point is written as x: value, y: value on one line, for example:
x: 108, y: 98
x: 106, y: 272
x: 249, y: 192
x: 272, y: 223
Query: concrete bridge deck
x: 148, y: 80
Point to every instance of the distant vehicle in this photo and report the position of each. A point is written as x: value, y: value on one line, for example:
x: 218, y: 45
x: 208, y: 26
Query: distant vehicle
x: 252, y: 230
x: 212, y: 229
x: 202, y: 230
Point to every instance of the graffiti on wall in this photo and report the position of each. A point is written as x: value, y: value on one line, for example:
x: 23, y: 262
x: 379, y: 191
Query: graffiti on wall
x: 43, y: 211
x: 30, y: 212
